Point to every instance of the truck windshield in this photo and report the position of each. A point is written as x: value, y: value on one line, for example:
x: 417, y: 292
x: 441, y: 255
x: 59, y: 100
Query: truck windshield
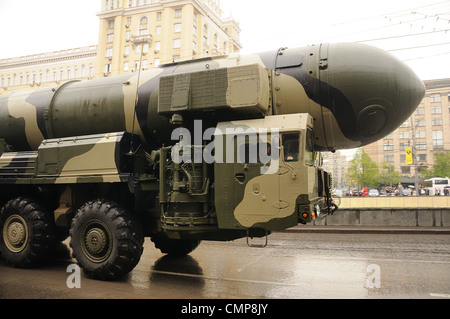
x: 291, y: 143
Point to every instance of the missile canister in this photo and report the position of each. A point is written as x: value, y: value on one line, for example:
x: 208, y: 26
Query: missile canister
x: 356, y: 93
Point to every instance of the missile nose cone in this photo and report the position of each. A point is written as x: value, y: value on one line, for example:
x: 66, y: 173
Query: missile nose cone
x: 381, y: 91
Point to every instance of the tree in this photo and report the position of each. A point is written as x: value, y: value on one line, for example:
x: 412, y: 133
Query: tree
x: 388, y: 176
x: 362, y: 170
x: 441, y: 167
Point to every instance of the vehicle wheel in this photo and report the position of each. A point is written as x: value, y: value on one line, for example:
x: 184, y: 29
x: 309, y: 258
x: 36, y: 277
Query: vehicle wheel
x: 177, y: 247
x: 28, y: 233
x: 106, y: 241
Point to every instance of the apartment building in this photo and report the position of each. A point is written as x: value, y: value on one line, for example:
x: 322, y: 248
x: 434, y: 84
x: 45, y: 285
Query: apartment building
x: 143, y: 34
x: 133, y: 35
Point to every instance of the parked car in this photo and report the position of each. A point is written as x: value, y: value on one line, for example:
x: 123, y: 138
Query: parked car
x: 338, y: 193
x: 407, y: 191
x: 374, y: 192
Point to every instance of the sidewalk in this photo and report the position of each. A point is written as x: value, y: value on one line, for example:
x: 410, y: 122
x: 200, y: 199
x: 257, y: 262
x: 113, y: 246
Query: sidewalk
x: 357, y: 229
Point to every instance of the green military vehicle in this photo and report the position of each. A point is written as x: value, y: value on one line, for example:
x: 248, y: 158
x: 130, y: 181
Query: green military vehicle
x: 212, y: 149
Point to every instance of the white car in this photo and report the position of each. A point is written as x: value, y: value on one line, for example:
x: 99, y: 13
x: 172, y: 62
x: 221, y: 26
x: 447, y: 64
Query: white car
x: 338, y: 193
x: 374, y: 192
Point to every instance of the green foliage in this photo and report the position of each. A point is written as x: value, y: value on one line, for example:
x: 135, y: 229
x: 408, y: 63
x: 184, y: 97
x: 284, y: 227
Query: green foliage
x: 441, y: 167
x: 388, y: 175
x: 362, y: 171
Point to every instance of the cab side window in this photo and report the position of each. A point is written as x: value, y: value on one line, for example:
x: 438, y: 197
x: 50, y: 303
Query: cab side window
x: 291, y: 142
x: 309, y: 151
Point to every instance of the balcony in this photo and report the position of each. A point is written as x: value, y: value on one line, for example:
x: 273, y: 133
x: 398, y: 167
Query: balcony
x: 141, y: 39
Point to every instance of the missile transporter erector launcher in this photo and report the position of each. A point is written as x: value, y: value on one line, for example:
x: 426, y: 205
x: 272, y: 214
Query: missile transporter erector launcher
x: 211, y: 149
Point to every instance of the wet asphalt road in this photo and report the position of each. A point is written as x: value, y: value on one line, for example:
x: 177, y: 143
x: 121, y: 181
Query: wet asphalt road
x: 294, y: 265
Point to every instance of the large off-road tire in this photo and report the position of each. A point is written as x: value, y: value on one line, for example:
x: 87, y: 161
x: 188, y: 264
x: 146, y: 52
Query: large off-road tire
x: 106, y: 241
x: 175, y: 247
x: 28, y: 236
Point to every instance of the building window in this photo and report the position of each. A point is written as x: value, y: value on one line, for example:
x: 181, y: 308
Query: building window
x: 421, y: 146
x: 109, y: 52
x: 436, y: 121
x: 157, y: 46
x: 177, y: 27
x: 177, y: 13
x: 438, y: 141
x: 420, y: 122
x: 389, y: 136
x: 143, y: 21
x: 406, y: 170
x: 403, y: 134
x: 402, y: 158
x: 109, y: 37
x: 422, y: 157
x: 126, y: 66
x: 420, y: 111
x: 108, y: 68
x: 157, y: 62
x: 126, y: 52
x: 388, y: 147
x: 128, y: 21
x: 145, y: 48
x: 405, y: 124
x: 137, y: 64
x: 420, y: 134
x: 144, y: 64
x: 158, y: 30
x: 128, y: 36
x: 110, y: 24
x: 435, y: 98
x: 403, y: 146
x: 205, y: 35
x: 194, y: 30
x: 436, y: 110
x: 91, y: 71
x: 389, y: 158
x: 176, y: 43
x: 158, y: 16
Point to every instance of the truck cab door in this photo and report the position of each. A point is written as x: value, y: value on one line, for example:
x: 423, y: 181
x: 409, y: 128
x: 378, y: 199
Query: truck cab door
x: 256, y: 194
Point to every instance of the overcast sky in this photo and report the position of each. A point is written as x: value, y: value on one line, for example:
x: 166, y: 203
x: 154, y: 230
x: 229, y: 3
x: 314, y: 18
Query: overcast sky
x: 31, y: 26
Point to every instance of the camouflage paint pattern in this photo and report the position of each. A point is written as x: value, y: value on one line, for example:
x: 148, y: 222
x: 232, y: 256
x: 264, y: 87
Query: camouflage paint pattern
x: 357, y: 94
x: 84, y: 159
x: 354, y: 94
x: 256, y: 199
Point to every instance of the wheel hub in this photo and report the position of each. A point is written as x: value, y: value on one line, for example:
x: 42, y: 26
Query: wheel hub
x: 96, y: 241
x: 15, y: 233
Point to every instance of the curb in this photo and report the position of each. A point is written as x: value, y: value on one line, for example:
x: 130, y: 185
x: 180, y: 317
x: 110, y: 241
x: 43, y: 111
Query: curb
x: 368, y: 230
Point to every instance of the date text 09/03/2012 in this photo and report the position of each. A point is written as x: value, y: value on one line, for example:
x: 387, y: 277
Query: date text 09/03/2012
x: 231, y: 308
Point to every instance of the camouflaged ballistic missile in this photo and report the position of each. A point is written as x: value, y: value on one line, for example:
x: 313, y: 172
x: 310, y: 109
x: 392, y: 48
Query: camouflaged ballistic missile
x: 210, y: 149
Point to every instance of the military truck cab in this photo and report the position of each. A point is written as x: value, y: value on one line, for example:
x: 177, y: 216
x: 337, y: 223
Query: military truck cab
x: 279, y: 187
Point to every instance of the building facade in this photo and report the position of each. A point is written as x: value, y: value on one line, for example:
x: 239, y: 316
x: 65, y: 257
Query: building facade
x: 336, y: 164
x: 426, y: 132
x: 133, y: 35
x: 51, y: 68
x: 143, y: 34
